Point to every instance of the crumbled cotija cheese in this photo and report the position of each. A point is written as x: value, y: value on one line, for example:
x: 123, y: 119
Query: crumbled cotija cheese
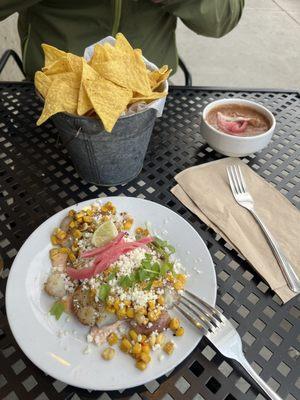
x: 178, y: 267
x: 89, y: 338
x: 127, y: 263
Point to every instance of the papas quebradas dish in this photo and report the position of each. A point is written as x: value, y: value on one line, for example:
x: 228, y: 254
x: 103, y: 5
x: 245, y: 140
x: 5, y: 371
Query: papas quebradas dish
x: 102, y: 268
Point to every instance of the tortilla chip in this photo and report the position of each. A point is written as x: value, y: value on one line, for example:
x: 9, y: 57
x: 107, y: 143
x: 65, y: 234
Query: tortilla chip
x: 147, y: 99
x: 52, y: 54
x: 101, y: 54
x: 111, y: 103
x: 115, y: 77
x: 58, y: 67
x: 88, y: 74
x: 42, y: 83
x: 126, y: 72
x: 122, y: 44
x: 62, y: 96
x: 158, y: 76
x: 75, y: 63
x: 138, y: 52
x: 125, y: 67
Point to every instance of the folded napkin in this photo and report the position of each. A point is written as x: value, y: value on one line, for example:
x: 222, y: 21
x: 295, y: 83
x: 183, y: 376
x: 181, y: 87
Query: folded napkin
x: 205, y: 190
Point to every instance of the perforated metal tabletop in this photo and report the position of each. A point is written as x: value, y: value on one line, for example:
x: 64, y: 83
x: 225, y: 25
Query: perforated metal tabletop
x: 38, y: 179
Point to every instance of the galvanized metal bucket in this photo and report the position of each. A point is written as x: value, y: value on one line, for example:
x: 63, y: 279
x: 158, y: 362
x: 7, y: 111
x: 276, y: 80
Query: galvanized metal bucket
x: 103, y: 158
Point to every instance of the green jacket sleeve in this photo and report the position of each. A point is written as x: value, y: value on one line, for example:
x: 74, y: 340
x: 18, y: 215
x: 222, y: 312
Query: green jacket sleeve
x: 8, y: 7
x: 212, y: 18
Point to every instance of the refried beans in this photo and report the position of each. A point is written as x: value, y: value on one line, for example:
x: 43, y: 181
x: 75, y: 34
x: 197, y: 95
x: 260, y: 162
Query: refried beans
x: 238, y: 120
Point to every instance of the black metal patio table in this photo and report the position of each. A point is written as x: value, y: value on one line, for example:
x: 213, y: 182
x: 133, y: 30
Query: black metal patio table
x: 38, y: 179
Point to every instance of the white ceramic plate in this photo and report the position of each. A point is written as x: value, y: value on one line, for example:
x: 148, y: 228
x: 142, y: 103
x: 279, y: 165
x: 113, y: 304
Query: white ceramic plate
x: 62, y: 357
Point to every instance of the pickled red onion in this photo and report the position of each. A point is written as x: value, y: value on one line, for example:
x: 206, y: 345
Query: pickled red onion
x: 233, y: 127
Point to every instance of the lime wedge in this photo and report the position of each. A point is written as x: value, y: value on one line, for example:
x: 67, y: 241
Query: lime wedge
x: 104, y: 234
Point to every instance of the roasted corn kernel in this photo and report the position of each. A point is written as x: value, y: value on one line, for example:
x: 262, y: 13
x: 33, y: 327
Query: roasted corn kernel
x: 143, y: 339
x: 170, y: 277
x: 74, y: 248
x: 141, y: 365
x: 161, y: 300
x: 133, y: 335
x: 125, y: 345
x: 64, y: 250
x: 54, y: 240
x: 108, y: 207
x: 77, y: 234
x: 151, y: 304
x: 79, y: 215
x: 178, y: 285
x: 145, y: 357
x: 112, y: 339
x: 157, y: 283
x: 71, y: 256
x: 181, y: 278
x: 110, y: 309
x: 140, y: 318
x: 87, y: 219
x: 174, y: 324
x: 160, y: 338
x: 137, y: 348
x: 169, y: 347
x: 179, y: 331
x: 117, y: 304
x: 130, y: 312
x: 141, y: 232
x: 152, y: 340
x: 121, y: 313
x: 146, y: 348
x: 108, y: 353
x: 60, y: 234
x: 153, y: 315
x: 127, y: 224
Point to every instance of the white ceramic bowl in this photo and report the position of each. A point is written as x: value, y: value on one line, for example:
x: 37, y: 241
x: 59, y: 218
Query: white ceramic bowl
x: 236, y: 146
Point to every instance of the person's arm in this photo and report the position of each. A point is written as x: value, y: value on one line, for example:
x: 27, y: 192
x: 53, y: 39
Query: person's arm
x: 212, y: 18
x: 8, y: 7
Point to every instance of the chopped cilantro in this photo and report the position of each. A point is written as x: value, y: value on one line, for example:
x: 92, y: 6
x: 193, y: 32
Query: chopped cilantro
x: 148, y: 287
x: 163, y: 247
x: 112, y: 275
x: 142, y: 275
x: 103, y: 291
x: 165, y: 267
x: 126, y: 281
x: 147, y: 272
x: 57, y: 309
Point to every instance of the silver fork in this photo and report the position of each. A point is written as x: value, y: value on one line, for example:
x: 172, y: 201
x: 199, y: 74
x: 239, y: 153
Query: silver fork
x: 244, y: 199
x: 220, y: 332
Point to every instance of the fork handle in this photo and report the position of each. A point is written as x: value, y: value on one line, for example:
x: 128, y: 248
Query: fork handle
x: 286, y: 268
x: 266, y: 388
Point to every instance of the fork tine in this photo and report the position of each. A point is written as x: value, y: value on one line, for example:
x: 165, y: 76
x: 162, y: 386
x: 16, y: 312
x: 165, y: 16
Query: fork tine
x: 215, y: 313
x: 237, y: 179
x: 208, y: 317
x: 231, y: 183
x: 234, y: 179
x: 242, y: 179
x: 200, y: 325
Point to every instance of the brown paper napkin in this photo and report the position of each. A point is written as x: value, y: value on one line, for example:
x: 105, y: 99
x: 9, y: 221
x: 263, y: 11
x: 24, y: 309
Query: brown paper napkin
x: 205, y: 191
